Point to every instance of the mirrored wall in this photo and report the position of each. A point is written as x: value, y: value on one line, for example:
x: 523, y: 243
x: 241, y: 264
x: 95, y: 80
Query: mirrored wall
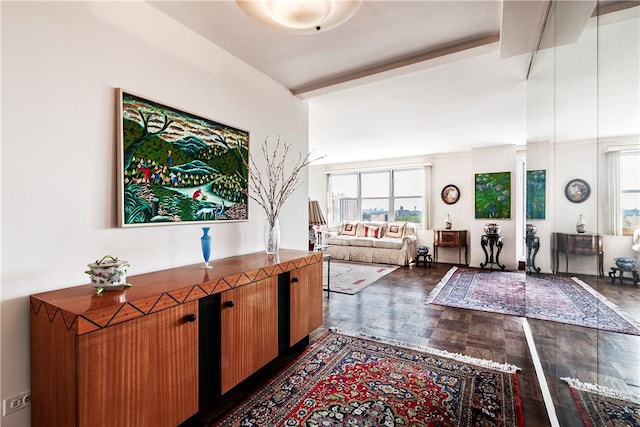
x: 583, y: 116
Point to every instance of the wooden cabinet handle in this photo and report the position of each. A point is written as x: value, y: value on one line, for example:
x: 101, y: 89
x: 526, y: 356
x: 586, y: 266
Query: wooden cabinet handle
x: 229, y: 304
x: 295, y: 280
x: 190, y: 317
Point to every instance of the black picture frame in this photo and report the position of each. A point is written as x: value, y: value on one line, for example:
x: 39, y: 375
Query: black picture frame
x: 450, y: 194
x: 577, y: 190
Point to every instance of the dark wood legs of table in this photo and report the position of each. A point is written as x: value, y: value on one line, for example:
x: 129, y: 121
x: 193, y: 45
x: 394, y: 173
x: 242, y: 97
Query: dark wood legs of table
x: 533, y: 245
x: 493, y: 241
x: 435, y: 254
x: 617, y: 273
x: 566, y: 263
x: 425, y: 258
x: 327, y: 257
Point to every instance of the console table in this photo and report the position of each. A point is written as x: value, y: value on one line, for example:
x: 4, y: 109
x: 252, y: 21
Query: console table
x: 533, y: 246
x: 578, y: 244
x: 450, y: 239
x: 493, y: 241
x: 157, y: 353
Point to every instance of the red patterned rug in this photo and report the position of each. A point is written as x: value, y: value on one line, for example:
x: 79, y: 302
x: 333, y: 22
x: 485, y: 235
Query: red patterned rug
x: 343, y: 380
x: 545, y: 297
x: 601, y: 406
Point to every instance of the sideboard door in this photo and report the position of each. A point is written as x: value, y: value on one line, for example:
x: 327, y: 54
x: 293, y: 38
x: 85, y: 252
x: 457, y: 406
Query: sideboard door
x: 305, y: 304
x: 249, y: 330
x: 142, y: 372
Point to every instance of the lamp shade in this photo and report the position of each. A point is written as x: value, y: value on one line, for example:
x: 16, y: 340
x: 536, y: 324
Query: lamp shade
x: 315, y: 214
x: 300, y: 16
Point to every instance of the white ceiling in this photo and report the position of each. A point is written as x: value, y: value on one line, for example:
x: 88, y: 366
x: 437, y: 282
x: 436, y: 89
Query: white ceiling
x: 443, y: 85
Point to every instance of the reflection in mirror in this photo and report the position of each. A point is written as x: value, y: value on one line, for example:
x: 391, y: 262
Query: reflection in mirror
x: 583, y: 127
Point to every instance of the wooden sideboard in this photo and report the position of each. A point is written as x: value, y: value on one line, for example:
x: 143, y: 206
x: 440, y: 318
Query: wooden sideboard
x: 450, y: 239
x: 578, y: 244
x: 156, y: 353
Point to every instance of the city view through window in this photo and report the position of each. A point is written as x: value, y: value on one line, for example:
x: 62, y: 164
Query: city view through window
x: 630, y: 195
x: 390, y: 195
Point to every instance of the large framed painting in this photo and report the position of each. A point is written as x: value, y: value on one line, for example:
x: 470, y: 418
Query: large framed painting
x: 536, y: 194
x: 175, y: 167
x: 493, y: 195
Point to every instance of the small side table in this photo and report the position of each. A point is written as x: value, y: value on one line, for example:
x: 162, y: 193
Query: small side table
x: 450, y: 239
x: 493, y: 241
x: 423, y: 252
x: 533, y: 245
x: 615, y: 271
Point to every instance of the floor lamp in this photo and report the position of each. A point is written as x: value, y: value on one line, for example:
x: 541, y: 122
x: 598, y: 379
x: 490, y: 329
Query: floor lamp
x: 316, y: 220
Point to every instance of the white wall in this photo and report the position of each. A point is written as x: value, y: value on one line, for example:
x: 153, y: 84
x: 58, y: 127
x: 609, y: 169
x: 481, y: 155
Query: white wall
x: 60, y: 64
x: 540, y: 157
x: 492, y: 160
x: 451, y: 169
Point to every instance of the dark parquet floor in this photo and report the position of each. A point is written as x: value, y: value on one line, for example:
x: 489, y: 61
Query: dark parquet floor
x: 394, y: 308
x: 595, y: 356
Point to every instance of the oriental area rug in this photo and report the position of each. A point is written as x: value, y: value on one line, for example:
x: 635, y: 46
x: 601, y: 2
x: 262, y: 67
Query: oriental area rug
x: 351, y: 278
x: 348, y: 380
x: 545, y: 297
x: 602, y: 406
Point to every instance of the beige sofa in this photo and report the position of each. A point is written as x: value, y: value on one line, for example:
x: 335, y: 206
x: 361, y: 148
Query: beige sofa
x: 376, y: 242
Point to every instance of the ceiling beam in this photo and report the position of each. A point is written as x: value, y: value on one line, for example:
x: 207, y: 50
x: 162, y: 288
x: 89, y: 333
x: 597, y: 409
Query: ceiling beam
x: 521, y: 25
x: 422, y: 60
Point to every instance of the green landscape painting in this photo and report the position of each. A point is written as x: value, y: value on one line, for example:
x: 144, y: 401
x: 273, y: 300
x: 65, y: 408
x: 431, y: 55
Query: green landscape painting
x: 493, y: 195
x: 176, y: 167
x: 536, y: 194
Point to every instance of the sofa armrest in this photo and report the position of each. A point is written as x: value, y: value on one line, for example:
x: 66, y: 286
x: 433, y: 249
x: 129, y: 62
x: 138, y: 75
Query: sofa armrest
x: 407, y: 240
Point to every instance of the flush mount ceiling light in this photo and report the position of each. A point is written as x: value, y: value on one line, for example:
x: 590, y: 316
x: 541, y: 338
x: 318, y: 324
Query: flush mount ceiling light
x: 300, y: 16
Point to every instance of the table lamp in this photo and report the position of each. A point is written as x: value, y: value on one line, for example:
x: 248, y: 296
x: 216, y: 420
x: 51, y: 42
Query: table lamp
x: 316, y: 220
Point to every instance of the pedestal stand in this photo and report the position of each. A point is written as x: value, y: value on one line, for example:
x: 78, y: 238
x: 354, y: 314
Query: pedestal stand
x: 493, y: 241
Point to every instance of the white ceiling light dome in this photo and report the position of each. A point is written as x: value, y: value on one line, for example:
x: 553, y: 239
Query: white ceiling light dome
x: 300, y: 16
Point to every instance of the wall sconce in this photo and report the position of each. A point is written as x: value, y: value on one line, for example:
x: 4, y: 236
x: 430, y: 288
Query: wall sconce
x: 300, y: 16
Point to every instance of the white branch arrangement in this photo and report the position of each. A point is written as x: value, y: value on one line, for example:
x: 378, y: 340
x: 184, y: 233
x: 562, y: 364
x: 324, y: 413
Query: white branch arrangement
x: 273, y: 189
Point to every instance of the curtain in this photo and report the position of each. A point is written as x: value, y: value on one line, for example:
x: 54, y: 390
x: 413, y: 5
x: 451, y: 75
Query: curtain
x: 427, y: 202
x: 613, y: 192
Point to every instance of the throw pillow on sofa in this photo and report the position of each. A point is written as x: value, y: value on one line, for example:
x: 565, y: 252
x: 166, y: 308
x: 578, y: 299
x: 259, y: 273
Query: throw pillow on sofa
x: 372, y: 231
x: 395, y: 229
x: 349, y: 228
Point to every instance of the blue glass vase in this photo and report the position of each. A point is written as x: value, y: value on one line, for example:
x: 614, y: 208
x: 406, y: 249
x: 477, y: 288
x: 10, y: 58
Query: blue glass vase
x: 205, y: 243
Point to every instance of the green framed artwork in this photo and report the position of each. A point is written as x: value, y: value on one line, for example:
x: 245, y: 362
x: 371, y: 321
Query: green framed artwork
x: 493, y: 195
x: 536, y: 194
x: 175, y: 167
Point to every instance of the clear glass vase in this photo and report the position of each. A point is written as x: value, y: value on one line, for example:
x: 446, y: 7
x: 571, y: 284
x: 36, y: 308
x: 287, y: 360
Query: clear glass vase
x: 272, y: 236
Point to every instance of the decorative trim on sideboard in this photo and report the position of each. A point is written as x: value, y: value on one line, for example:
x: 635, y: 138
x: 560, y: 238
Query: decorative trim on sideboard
x: 103, y: 316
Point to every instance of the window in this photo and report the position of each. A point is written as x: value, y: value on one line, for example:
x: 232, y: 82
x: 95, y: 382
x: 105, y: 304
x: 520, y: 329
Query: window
x: 344, y: 198
x: 407, y: 204
x: 374, y: 195
x: 385, y: 195
x: 630, y: 191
